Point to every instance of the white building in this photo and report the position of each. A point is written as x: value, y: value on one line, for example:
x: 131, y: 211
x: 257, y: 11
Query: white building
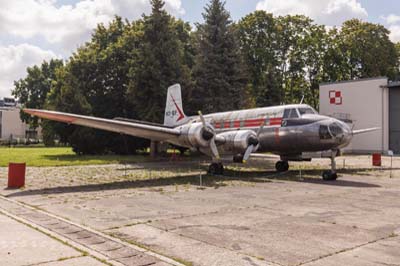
x: 366, y: 103
x: 11, y: 126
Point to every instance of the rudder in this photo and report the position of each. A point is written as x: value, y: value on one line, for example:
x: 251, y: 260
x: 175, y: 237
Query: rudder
x: 174, y: 115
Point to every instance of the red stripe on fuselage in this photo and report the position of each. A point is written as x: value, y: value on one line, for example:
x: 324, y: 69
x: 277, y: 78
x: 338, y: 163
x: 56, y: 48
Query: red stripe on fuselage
x: 276, y: 121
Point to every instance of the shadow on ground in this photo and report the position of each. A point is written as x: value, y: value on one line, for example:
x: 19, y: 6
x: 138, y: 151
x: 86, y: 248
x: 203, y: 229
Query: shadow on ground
x: 308, y: 176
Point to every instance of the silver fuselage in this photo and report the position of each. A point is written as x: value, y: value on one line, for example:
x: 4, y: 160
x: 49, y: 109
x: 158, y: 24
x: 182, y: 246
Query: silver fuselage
x: 285, y: 135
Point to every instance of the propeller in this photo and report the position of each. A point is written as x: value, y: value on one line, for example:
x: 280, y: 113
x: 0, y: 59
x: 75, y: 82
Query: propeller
x: 253, y: 142
x: 209, y: 135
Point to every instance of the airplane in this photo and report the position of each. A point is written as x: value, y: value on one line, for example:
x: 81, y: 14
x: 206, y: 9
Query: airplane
x: 289, y: 131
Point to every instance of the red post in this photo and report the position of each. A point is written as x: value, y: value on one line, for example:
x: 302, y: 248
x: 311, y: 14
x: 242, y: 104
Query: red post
x: 376, y: 159
x: 16, y: 175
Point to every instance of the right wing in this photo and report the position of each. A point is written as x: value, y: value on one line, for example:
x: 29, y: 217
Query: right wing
x: 362, y: 131
x: 136, y: 129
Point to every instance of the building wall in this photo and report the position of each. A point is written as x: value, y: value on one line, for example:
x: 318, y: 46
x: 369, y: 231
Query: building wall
x: 366, y: 103
x: 11, y: 124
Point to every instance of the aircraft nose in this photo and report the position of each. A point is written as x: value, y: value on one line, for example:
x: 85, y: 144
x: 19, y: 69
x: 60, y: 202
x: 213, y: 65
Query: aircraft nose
x: 341, y: 132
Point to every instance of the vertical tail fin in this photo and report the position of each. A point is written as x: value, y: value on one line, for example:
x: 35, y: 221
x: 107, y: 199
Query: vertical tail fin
x: 174, y: 115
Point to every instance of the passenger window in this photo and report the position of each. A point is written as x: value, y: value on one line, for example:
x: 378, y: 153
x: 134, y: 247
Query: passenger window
x: 290, y: 113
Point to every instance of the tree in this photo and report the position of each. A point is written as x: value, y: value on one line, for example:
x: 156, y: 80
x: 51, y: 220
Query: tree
x: 32, y: 90
x: 398, y: 60
x: 160, y: 63
x: 258, y: 44
x: 368, y: 50
x: 95, y: 82
x: 293, y: 32
x: 218, y: 73
x: 314, y: 49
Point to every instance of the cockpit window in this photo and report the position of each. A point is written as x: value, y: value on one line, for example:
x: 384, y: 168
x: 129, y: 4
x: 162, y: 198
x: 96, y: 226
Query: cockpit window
x: 290, y: 113
x: 324, y: 132
x: 335, y: 129
x: 305, y: 111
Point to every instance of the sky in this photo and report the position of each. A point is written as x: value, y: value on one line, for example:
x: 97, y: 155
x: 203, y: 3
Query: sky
x: 35, y: 30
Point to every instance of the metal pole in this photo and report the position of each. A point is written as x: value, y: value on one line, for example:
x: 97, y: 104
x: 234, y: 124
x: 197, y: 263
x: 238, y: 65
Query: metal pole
x: 200, y: 174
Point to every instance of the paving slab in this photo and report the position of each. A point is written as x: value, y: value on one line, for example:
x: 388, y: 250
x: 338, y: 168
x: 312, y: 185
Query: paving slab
x: 138, y: 260
x: 384, y: 252
x: 80, y: 261
x: 23, y: 245
x: 250, y: 218
x: 188, y: 249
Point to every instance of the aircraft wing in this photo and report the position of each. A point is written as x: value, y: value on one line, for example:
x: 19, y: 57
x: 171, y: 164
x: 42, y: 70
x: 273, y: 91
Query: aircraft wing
x: 136, y: 129
x: 362, y: 131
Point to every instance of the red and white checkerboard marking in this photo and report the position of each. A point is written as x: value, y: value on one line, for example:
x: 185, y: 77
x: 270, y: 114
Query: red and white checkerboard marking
x: 335, y: 97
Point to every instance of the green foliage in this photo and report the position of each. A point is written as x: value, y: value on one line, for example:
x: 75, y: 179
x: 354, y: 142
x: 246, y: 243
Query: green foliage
x: 95, y: 82
x: 367, y: 49
x: 258, y: 44
x: 160, y: 63
x: 217, y: 72
x: 32, y: 90
x: 60, y: 156
x: 127, y: 66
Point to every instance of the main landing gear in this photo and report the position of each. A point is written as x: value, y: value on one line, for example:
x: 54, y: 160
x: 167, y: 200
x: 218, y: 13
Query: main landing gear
x: 331, y: 175
x: 282, y: 166
x: 216, y: 169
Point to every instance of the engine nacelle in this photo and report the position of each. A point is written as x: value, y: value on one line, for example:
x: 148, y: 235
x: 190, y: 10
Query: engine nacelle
x: 238, y: 141
x: 193, y: 135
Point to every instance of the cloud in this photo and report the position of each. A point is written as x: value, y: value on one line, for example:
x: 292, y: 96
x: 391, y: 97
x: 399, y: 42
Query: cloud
x: 330, y: 12
x: 394, y: 26
x: 60, y: 27
x: 392, y: 19
x: 14, y: 59
x: 394, y: 33
x: 68, y: 25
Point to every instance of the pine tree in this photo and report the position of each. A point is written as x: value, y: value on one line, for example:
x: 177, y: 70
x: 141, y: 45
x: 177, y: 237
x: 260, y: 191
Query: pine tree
x: 218, y: 72
x: 159, y: 65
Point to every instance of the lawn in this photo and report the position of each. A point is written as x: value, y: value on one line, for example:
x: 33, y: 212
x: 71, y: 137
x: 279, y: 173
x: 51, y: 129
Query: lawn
x: 60, y: 156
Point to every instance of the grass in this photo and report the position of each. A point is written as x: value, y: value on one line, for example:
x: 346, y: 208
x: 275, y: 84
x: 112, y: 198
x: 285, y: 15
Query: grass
x: 60, y: 156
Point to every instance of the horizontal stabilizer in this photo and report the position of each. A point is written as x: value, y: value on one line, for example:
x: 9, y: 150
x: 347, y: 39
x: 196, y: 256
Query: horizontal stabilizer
x: 362, y: 131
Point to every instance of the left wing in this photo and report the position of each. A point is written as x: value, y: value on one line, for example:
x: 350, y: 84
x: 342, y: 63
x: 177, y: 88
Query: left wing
x: 136, y: 129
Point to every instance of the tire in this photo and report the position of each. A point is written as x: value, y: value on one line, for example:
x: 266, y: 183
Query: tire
x: 238, y: 158
x: 285, y: 166
x: 329, y: 176
x: 216, y: 169
x: 282, y: 166
x: 213, y: 169
x: 220, y: 169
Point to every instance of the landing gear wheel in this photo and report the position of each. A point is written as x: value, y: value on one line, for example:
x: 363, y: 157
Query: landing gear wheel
x: 216, y: 169
x: 329, y: 176
x: 282, y: 166
x: 238, y: 158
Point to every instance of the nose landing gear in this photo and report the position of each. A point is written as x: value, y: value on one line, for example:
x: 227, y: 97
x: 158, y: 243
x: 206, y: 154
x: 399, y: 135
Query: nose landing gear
x: 331, y: 175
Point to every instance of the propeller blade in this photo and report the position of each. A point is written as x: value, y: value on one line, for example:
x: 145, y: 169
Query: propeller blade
x: 209, y: 135
x: 247, y: 154
x: 214, y: 149
x: 203, y: 121
x: 261, y: 127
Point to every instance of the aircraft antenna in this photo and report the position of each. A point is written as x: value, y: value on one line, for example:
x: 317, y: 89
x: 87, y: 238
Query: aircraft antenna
x: 302, y: 100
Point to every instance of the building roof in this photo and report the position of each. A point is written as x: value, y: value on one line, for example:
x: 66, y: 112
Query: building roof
x: 393, y: 84
x: 350, y: 81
